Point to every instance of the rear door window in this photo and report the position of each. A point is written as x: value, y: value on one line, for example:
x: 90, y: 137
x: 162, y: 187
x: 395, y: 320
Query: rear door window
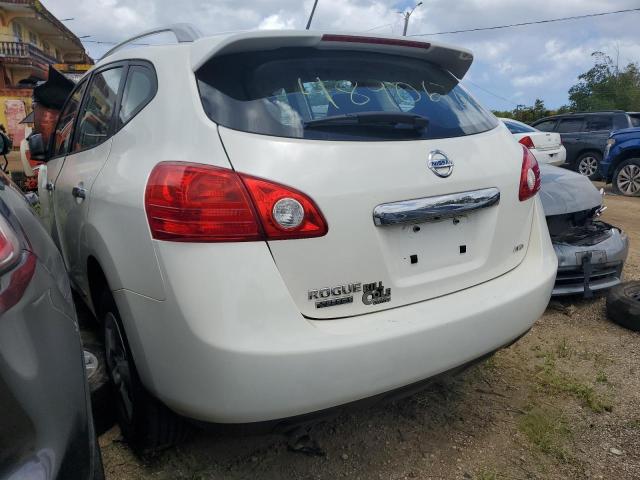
x: 138, y: 91
x: 546, y: 126
x: 571, y: 125
x: 594, y: 123
x: 95, y: 119
x: 278, y: 92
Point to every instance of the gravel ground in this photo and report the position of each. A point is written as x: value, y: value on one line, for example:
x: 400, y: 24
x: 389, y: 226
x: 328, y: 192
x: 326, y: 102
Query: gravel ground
x: 561, y: 403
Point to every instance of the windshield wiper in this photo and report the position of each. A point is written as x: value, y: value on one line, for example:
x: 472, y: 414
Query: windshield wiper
x: 391, y: 119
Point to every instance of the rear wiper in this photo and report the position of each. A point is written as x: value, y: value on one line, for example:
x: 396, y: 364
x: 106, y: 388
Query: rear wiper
x: 390, y: 119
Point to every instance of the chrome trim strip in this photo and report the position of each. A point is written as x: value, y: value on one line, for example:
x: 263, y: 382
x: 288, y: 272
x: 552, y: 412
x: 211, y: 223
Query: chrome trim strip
x: 429, y: 209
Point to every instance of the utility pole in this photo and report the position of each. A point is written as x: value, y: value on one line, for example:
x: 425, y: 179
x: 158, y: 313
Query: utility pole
x: 313, y: 10
x: 406, y: 16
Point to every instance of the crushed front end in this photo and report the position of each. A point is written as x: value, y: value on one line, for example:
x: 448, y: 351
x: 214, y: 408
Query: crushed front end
x: 591, y: 253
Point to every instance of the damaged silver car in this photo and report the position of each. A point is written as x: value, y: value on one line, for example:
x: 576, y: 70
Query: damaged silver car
x: 591, y: 253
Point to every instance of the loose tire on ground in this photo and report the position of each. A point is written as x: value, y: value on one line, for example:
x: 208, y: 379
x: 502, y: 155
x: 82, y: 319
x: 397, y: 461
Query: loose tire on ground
x: 146, y: 424
x: 623, y: 305
x: 626, y: 178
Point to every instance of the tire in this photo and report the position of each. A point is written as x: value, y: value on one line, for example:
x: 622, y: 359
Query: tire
x: 623, y: 305
x: 146, y: 424
x: 588, y: 164
x: 104, y: 414
x: 626, y: 178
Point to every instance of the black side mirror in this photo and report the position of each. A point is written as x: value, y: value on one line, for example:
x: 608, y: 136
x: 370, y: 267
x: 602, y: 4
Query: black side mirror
x: 37, y: 147
x: 5, y: 143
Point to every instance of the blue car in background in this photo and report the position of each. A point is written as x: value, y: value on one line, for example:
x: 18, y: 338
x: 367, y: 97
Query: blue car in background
x: 621, y: 163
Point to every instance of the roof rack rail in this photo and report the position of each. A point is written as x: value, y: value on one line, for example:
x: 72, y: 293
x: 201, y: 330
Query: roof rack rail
x: 184, y: 32
x: 594, y: 111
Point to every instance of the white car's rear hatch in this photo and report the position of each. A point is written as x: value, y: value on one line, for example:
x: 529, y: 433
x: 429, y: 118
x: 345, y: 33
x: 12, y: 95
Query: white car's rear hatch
x: 413, y: 212
x: 544, y: 140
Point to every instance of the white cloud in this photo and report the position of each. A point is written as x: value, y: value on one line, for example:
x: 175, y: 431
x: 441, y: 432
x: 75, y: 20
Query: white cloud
x: 541, y: 60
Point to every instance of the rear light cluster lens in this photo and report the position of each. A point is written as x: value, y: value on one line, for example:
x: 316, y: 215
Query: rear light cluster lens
x: 9, y: 246
x: 284, y: 212
x: 526, y: 141
x: 188, y: 202
x: 529, y: 175
x: 11, y: 255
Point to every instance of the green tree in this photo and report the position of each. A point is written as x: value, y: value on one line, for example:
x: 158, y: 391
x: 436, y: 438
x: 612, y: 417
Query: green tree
x: 606, y: 87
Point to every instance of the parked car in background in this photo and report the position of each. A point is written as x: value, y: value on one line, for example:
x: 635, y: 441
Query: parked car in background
x: 293, y: 256
x: 591, y: 253
x: 584, y: 135
x: 621, y: 164
x: 546, y: 146
x: 46, y: 430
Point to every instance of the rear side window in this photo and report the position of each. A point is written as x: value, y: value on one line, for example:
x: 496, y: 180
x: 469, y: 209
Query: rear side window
x: 278, y: 92
x: 570, y: 125
x: 517, y: 127
x: 64, y: 129
x: 594, y: 123
x: 138, y: 91
x: 95, y: 119
x: 546, y: 126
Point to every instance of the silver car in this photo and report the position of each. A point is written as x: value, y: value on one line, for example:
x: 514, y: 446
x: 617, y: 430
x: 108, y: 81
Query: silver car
x: 591, y: 253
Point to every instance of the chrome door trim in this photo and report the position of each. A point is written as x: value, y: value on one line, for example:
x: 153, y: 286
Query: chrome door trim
x: 430, y: 209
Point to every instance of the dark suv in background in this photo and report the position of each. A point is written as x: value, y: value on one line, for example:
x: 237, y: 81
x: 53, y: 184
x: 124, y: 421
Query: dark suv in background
x: 584, y: 135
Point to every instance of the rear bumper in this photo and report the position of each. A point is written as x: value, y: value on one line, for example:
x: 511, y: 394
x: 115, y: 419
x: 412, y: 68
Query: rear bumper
x: 580, y: 274
x: 254, y: 358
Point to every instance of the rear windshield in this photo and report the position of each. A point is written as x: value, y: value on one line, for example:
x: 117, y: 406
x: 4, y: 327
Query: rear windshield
x: 277, y: 92
x: 517, y: 127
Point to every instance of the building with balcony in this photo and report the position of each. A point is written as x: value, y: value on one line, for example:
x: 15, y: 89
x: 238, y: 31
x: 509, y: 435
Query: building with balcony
x: 31, y: 39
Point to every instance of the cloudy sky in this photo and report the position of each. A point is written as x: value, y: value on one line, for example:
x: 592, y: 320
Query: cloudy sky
x: 512, y: 66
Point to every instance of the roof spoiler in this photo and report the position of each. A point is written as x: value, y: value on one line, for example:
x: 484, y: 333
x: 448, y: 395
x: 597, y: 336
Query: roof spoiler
x: 455, y: 60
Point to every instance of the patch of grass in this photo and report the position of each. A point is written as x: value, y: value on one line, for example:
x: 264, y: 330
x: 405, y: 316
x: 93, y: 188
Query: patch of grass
x: 563, y: 349
x: 550, y: 378
x: 485, y: 474
x: 547, y: 430
x: 601, y: 377
x: 490, y: 363
x: 635, y: 424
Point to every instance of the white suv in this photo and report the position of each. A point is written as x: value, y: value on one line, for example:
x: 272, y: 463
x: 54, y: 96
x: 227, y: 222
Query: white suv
x: 270, y: 224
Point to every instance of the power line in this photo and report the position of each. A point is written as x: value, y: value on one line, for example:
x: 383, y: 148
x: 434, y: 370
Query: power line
x: 522, y: 24
x: 479, y: 29
x: 490, y: 92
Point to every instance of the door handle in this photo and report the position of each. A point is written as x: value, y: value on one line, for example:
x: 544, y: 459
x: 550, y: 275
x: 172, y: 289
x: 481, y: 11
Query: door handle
x: 79, y: 192
x: 49, y: 186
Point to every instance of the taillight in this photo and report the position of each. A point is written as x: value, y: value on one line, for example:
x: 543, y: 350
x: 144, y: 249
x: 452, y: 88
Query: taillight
x: 9, y: 246
x: 22, y: 262
x: 187, y: 202
x: 285, y: 212
x: 529, y: 175
x: 526, y: 141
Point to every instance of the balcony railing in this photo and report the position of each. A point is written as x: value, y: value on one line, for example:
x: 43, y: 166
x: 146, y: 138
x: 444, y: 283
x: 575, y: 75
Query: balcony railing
x: 24, y: 51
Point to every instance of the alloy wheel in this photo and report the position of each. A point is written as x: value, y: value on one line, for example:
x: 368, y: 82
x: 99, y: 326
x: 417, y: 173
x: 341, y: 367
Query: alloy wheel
x: 588, y: 166
x: 118, y: 364
x: 628, y: 180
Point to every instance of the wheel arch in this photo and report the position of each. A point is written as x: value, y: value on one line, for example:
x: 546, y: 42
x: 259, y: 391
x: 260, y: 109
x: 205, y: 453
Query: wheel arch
x: 625, y: 154
x: 588, y: 150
